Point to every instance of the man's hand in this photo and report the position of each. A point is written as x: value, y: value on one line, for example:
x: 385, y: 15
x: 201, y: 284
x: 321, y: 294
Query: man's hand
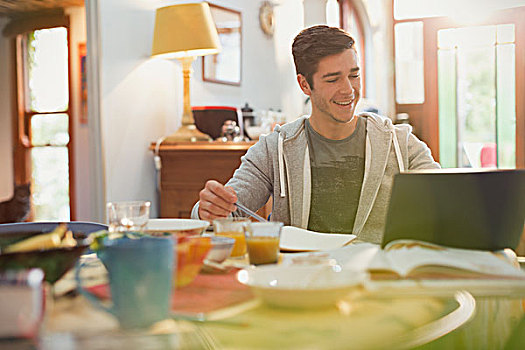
x: 216, y: 201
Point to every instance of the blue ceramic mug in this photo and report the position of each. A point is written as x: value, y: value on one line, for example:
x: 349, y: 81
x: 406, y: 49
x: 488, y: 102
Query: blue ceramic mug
x: 140, y: 278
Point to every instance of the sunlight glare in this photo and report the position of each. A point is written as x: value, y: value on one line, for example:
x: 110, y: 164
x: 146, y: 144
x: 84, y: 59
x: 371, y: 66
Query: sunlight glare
x: 48, y: 75
x: 463, y: 11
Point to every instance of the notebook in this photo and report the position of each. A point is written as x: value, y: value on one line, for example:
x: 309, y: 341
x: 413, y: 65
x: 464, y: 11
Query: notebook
x: 477, y: 210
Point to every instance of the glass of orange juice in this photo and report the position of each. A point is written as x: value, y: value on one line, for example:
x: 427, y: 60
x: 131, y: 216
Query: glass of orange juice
x: 234, y: 228
x: 262, y: 241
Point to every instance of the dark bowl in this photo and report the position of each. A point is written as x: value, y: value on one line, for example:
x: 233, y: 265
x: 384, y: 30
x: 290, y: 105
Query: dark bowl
x: 54, y: 262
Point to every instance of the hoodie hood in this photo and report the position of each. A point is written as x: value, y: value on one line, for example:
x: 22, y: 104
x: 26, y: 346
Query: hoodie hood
x: 293, y: 129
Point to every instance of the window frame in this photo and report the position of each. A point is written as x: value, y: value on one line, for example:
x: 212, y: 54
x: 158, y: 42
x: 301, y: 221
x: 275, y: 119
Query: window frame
x: 23, y: 114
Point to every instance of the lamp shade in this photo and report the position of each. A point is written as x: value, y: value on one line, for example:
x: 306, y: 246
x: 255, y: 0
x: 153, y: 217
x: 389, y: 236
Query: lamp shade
x: 185, y: 30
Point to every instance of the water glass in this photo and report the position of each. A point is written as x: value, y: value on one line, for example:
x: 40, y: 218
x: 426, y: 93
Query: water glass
x: 128, y: 216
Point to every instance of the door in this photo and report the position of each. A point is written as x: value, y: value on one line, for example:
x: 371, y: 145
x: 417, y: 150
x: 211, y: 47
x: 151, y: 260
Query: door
x: 44, y: 123
x: 469, y: 104
x: 477, y: 96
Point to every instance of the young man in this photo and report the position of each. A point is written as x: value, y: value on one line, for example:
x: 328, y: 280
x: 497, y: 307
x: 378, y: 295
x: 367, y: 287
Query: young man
x: 331, y: 172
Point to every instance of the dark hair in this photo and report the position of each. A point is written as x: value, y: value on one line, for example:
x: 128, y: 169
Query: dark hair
x: 315, y: 43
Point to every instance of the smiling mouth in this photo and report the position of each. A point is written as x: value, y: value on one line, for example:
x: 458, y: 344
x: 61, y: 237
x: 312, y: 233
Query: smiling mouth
x: 343, y: 103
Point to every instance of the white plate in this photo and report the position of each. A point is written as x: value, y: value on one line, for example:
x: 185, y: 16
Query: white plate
x: 301, y: 286
x: 177, y: 226
x: 299, y: 240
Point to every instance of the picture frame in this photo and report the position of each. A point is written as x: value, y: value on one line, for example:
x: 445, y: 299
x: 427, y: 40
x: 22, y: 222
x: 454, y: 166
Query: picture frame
x: 226, y: 66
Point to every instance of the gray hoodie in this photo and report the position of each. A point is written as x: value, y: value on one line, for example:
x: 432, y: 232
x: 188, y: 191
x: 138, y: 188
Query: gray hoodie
x: 279, y: 166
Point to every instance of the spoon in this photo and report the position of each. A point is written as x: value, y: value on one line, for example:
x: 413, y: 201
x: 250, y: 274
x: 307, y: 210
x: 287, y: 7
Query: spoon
x: 250, y: 213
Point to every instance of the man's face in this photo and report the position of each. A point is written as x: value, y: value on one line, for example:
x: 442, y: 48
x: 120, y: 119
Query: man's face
x: 336, y: 88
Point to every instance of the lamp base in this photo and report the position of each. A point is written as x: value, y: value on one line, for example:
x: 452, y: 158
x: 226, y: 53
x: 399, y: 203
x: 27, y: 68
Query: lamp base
x: 188, y: 133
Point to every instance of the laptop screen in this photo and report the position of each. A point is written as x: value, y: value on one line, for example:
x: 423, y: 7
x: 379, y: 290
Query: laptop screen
x: 477, y: 210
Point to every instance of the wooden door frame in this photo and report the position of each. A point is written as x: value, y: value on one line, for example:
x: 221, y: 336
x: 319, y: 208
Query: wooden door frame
x: 425, y: 116
x: 21, y: 119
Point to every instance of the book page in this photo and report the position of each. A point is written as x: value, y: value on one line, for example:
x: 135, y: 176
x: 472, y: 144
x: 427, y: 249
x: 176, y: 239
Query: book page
x: 405, y: 257
x: 301, y: 240
x: 355, y: 256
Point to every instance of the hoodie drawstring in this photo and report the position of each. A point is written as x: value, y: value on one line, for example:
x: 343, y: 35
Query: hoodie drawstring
x: 397, y: 151
x: 281, y: 165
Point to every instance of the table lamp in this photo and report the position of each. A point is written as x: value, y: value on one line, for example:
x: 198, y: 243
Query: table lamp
x: 184, y: 32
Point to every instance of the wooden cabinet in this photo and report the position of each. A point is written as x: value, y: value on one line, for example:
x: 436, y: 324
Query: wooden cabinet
x: 186, y: 166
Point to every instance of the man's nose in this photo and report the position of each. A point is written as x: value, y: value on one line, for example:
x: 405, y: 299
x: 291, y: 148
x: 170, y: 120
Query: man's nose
x: 346, y: 87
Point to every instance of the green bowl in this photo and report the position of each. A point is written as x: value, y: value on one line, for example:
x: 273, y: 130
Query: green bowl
x: 54, y: 262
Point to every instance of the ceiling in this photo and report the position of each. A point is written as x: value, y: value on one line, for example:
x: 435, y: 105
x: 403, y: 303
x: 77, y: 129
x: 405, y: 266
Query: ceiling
x: 14, y: 8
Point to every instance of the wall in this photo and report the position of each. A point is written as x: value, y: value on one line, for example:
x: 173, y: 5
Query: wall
x: 77, y: 32
x: 314, y: 12
x: 138, y: 96
x: 380, y: 79
x: 6, y: 114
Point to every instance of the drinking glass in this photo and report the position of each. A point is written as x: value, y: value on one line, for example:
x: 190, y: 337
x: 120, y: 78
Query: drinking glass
x: 128, y: 216
x: 262, y: 241
x: 233, y: 228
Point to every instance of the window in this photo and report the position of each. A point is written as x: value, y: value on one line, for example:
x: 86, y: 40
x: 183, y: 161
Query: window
x: 45, y: 88
x: 477, y: 116
x: 468, y: 73
x: 410, y: 85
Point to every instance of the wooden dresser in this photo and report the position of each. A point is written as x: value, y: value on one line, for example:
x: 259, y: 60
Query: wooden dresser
x: 186, y: 166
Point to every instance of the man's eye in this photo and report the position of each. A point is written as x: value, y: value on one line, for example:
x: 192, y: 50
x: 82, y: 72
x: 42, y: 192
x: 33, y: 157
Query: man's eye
x: 355, y: 76
x: 331, y: 81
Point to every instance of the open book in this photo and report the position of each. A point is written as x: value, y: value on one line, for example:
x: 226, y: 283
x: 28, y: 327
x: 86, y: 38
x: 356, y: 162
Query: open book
x: 410, y: 259
x: 408, y: 267
x: 421, y: 260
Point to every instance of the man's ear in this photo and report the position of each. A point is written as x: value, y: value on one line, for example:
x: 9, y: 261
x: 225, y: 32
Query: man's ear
x: 303, y: 84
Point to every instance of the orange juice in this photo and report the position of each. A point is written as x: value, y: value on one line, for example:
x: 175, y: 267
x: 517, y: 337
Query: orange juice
x: 239, y: 247
x: 263, y: 249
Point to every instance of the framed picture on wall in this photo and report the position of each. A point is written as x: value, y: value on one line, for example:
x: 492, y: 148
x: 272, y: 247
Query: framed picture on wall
x: 83, y: 83
x: 225, y: 67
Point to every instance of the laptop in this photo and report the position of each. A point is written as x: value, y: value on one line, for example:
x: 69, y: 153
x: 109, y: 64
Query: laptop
x: 477, y: 210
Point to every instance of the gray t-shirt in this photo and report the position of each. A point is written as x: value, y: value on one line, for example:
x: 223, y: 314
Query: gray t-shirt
x: 337, y: 168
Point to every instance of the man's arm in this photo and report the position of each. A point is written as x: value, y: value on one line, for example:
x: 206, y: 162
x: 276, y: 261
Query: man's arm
x: 216, y: 201
x: 419, y: 155
x: 251, y: 185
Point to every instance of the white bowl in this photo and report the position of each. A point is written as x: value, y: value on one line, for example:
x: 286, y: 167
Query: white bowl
x: 175, y: 226
x: 301, y: 286
x: 221, y: 248
x: 255, y: 131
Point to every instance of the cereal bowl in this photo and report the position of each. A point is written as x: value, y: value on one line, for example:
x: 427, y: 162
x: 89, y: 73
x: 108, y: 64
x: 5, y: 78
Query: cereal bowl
x: 176, y: 226
x: 54, y: 262
x: 301, y: 287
